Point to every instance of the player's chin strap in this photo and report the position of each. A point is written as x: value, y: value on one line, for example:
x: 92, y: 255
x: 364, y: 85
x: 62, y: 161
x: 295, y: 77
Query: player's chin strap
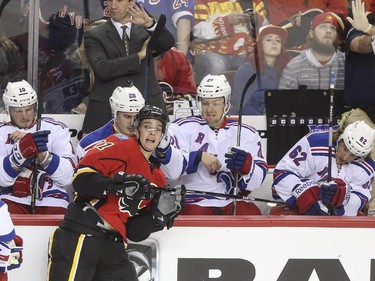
x: 222, y: 195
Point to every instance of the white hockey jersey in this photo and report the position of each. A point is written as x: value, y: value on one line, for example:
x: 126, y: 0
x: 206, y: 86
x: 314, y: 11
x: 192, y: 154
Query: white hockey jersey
x: 308, y: 159
x: 7, y: 231
x: 57, y: 175
x: 191, y: 136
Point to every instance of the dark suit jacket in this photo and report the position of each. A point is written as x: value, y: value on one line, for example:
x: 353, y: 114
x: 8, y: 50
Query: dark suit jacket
x: 105, y: 52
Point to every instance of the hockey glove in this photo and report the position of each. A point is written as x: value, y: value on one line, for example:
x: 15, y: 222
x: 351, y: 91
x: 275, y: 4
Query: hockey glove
x: 167, y: 205
x: 15, y: 258
x: 307, y: 194
x: 317, y: 209
x: 41, y: 139
x: 4, y: 256
x: 335, y: 193
x: 23, y: 151
x: 165, y: 143
x: 129, y: 185
x: 11, y: 254
x: 238, y: 160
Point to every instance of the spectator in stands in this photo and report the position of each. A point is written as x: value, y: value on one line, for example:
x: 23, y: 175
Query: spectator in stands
x: 282, y: 11
x: 117, y: 53
x: 79, y: 56
x: 10, y: 244
x: 12, y: 65
x: 296, y: 17
x: 179, y: 22
x: 313, y: 67
x: 221, y: 34
x: 176, y: 77
x: 272, y: 58
x: 206, y: 156
x: 359, y: 72
x: 24, y: 145
x: 301, y: 176
x: 125, y: 104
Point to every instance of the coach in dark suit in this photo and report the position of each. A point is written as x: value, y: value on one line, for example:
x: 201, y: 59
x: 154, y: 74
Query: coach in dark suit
x: 105, y: 47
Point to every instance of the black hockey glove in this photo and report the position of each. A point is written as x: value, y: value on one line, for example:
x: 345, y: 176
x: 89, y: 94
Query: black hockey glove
x: 129, y: 185
x: 167, y: 205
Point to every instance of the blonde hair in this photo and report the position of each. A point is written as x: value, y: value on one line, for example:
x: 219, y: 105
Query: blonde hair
x: 80, y: 53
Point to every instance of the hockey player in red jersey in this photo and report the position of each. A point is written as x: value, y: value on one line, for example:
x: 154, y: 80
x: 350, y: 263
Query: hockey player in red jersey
x: 115, y: 184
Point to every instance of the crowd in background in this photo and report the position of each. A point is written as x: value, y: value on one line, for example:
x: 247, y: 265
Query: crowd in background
x: 277, y: 40
x: 211, y: 37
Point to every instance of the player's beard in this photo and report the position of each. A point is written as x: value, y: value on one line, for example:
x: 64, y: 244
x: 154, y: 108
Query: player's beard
x: 321, y: 48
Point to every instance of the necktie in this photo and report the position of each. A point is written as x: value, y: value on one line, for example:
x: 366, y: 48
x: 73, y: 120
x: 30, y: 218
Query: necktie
x: 125, y: 39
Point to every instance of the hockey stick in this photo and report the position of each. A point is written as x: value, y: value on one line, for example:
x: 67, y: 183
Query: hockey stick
x: 238, y: 142
x: 253, y: 23
x: 51, y: 62
x: 151, y: 45
x: 330, y: 132
x: 221, y: 195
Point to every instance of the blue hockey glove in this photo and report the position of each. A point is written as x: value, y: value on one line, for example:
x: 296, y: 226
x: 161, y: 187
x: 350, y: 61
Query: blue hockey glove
x: 238, y: 160
x: 4, y: 256
x: 317, y: 209
x: 16, y: 256
x: 40, y: 139
x: 335, y: 193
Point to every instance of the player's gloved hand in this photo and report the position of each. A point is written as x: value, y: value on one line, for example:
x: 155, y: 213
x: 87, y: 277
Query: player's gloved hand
x: 167, y: 205
x: 28, y: 147
x: 23, y: 151
x: 165, y: 142
x: 317, y: 209
x: 335, y: 192
x: 4, y: 256
x: 238, y: 160
x: 41, y: 139
x: 129, y: 185
x: 15, y: 258
x: 307, y: 194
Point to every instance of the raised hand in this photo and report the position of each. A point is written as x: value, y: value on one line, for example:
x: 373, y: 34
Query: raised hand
x: 359, y: 20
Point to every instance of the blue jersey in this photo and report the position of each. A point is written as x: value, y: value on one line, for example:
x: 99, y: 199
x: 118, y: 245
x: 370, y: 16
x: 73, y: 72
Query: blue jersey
x: 359, y: 87
x: 91, y: 139
x: 173, y: 10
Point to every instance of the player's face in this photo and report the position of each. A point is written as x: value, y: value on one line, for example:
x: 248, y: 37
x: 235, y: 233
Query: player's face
x: 271, y: 45
x: 118, y: 9
x: 213, y: 110
x: 324, y: 34
x: 343, y: 155
x: 23, y: 117
x: 149, y: 134
x: 124, y: 122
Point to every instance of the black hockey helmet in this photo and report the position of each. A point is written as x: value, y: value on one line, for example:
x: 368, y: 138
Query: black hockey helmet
x: 151, y: 112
